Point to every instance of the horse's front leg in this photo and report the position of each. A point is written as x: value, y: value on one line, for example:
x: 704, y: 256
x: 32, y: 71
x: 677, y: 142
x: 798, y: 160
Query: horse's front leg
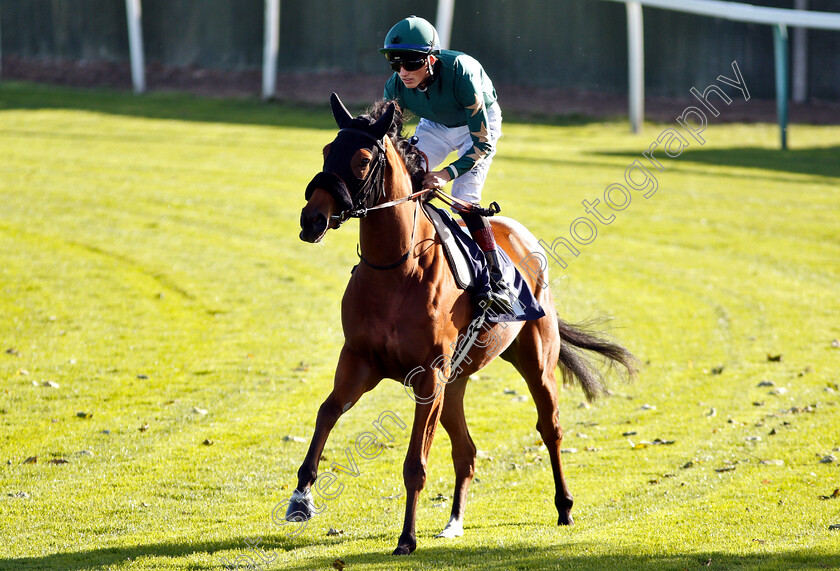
x: 354, y: 376
x: 428, y: 394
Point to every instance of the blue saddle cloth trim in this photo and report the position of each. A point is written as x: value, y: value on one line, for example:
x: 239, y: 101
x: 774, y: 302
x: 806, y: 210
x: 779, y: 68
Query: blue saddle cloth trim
x: 526, y: 307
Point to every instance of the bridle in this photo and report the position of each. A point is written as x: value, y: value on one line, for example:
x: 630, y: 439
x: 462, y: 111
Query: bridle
x: 373, y: 185
x: 375, y: 180
x: 372, y: 189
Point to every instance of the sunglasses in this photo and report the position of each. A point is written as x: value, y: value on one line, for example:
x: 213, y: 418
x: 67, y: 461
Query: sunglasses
x: 411, y: 65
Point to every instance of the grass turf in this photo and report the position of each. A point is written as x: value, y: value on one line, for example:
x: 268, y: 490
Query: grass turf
x: 166, y: 333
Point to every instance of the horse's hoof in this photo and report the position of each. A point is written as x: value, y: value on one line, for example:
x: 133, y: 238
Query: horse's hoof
x: 301, y: 506
x: 565, y: 519
x: 455, y: 528
x: 404, y: 550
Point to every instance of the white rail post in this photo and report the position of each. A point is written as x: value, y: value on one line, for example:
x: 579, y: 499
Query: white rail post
x: 443, y: 23
x: 270, y: 49
x: 636, y: 66
x: 1, y: 50
x: 799, y: 63
x: 780, y: 52
x: 134, y: 13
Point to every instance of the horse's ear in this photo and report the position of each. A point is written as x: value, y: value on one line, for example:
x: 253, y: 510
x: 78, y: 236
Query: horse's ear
x: 340, y: 112
x: 383, y: 124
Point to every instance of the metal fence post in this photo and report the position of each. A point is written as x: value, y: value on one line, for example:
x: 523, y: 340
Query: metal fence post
x: 443, y: 22
x: 271, y: 46
x: 134, y: 13
x: 635, y: 66
x: 780, y: 51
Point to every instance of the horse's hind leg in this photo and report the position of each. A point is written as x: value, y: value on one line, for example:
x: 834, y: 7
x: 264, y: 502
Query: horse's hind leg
x: 534, y: 354
x: 463, y: 454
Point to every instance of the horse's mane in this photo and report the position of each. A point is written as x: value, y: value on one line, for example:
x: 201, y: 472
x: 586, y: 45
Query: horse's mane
x: 412, y: 158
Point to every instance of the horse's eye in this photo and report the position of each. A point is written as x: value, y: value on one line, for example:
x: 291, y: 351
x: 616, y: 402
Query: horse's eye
x: 365, y: 162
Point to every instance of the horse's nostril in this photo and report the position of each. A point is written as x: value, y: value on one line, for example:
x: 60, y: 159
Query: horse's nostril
x: 312, y: 227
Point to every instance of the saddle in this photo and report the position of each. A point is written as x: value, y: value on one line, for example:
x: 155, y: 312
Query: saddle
x: 469, y: 268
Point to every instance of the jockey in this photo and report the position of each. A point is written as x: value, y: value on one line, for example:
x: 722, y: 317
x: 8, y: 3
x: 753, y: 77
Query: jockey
x: 456, y: 103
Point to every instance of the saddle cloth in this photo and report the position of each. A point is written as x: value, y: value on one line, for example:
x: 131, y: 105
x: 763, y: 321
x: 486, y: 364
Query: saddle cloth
x: 470, y: 268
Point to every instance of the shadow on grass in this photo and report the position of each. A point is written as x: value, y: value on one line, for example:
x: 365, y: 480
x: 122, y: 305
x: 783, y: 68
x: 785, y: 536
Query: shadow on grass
x: 818, y: 161
x: 536, y: 557
x: 176, y: 106
x: 440, y: 556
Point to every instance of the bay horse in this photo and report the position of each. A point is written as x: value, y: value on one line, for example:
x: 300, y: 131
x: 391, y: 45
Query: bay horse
x: 402, y: 310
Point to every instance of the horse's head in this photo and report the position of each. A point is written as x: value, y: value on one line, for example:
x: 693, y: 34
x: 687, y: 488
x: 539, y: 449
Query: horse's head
x: 351, y: 178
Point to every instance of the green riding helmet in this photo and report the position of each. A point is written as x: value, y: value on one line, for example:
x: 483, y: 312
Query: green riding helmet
x: 410, y: 39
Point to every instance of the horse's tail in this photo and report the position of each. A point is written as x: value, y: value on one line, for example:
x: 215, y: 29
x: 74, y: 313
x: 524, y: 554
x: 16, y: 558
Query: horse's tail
x: 575, y: 364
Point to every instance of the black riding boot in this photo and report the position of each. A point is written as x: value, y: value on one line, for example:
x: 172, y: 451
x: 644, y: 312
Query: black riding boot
x: 498, y: 298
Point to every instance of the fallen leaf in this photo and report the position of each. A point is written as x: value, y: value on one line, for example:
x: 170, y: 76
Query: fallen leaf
x: 289, y: 438
x: 144, y: 428
x: 301, y: 367
x: 333, y: 531
x: 712, y: 412
x: 706, y: 563
x: 688, y: 465
x: 774, y: 358
x: 51, y: 384
x: 508, y: 392
x: 761, y: 541
x: 717, y: 370
x: 31, y: 460
x: 766, y: 384
x: 23, y: 495
x: 647, y: 407
x: 197, y: 410
x: 339, y: 564
x: 725, y: 469
x: 779, y: 391
x: 659, y: 441
x: 568, y: 450
x: 207, y: 442
x: 772, y: 462
x: 12, y: 351
x: 836, y: 343
x: 142, y: 377
x: 84, y: 414
x: 834, y: 526
x: 58, y: 461
x: 629, y: 433
x: 828, y: 459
